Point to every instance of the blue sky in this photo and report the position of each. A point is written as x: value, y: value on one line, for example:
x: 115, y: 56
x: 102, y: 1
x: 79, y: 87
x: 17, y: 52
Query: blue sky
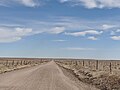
x: 60, y: 28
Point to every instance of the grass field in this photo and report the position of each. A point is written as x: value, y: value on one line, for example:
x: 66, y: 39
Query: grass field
x: 104, y: 74
x: 10, y: 64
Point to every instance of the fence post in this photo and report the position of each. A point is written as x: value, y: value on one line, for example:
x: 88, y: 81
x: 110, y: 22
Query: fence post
x: 97, y: 62
x: 89, y: 62
x: 110, y: 67
x: 17, y: 63
x: 21, y: 62
x: 12, y: 62
x: 76, y: 63
x: 24, y: 62
x: 83, y: 63
x: 6, y: 63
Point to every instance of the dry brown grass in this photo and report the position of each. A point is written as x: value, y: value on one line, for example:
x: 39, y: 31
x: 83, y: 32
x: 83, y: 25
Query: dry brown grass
x: 10, y: 64
x: 105, y: 75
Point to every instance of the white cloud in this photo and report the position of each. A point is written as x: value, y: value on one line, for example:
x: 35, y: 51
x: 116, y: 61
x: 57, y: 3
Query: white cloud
x: 86, y: 3
x: 115, y: 37
x: 79, y: 49
x: 14, y: 34
x: 89, y: 3
x: 28, y: 3
x: 94, y: 32
x: 56, y: 30
x: 67, y: 26
x: 95, y: 3
x: 83, y: 33
x: 92, y: 38
x: 106, y: 26
x: 76, y: 33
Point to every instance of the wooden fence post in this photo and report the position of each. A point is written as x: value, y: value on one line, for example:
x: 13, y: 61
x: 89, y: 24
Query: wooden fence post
x: 21, y: 62
x: 17, y: 63
x: 12, y: 62
x: 6, y: 63
x: 97, y: 67
x: 83, y: 63
x: 24, y: 62
x: 76, y: 63
x: 110, y: 67
x: 89, y: 63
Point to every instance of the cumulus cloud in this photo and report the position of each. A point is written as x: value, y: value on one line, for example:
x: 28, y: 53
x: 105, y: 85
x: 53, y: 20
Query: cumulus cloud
x: 92, y: 38
x: 83, y: 33
x: 14, y: 34
x: 115, y: 37
x: 79, y: 49
x: 95, y: 3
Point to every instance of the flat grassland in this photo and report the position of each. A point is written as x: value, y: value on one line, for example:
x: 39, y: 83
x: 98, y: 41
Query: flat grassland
x: 47, y: 76
x: 59, y: 74
x: 10, y: 64
x: 104, y: 74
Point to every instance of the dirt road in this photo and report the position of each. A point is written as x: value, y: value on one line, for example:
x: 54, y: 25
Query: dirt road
x: 44, y: 77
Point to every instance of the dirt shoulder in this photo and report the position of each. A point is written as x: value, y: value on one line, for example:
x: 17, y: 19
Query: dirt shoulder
x: 70, y: 73
x: 102, y: 81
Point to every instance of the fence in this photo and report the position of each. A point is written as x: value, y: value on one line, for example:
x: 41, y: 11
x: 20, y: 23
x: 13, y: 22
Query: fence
x: 97, y: 65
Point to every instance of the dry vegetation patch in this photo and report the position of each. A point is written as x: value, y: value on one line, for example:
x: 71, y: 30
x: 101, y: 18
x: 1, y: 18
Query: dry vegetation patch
x: 105, y: 75
x: 10, y: 64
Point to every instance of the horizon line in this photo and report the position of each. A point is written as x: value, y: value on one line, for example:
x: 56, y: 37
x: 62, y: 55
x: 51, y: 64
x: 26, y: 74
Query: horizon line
x: 55, y: 58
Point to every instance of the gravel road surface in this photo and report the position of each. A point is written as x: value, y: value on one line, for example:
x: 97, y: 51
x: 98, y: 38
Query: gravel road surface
x: 43, y: 77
